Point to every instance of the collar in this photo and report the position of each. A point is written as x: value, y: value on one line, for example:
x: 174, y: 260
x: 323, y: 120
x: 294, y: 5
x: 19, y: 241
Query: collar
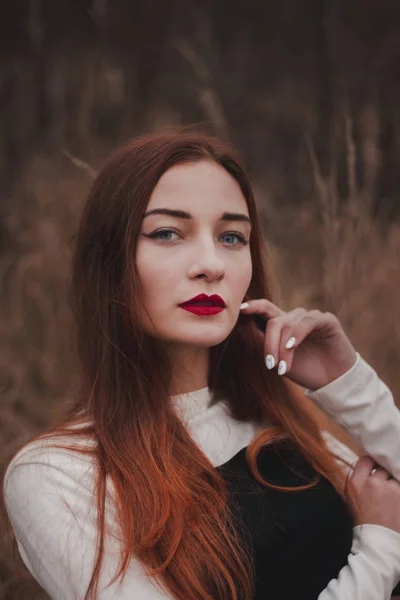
x: 192, y: 404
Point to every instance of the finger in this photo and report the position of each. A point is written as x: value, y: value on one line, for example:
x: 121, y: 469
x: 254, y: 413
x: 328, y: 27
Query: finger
x: 274, y: 355
x: 289, y: 323
x: 289, y: 334
x: 362, y: 471
x: 263, y: 307
x: 380, y: 473
x: 294, y: 334
x: 271, y: 343
x: 272, y: 340
x: 310, y: 321
x: 297, y: 330
x: 393, y: 484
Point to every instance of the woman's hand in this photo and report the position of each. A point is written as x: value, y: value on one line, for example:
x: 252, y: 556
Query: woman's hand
x: 377, y: 496
x: 310, y: 346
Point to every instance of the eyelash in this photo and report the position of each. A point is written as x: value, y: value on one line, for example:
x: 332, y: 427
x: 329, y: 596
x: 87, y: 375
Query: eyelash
x: 240, y: 236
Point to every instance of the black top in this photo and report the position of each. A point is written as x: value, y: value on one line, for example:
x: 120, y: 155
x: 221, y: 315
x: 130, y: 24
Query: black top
x: 299, y: 540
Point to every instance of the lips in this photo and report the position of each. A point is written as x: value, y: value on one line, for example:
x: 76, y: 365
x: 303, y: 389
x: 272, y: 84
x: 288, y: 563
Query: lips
x: 204, y: 300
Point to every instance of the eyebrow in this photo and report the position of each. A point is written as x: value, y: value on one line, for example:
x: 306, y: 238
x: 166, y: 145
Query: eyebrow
x: 181, y: 214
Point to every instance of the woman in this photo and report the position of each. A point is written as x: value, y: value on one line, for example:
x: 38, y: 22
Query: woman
x: 187, y: 468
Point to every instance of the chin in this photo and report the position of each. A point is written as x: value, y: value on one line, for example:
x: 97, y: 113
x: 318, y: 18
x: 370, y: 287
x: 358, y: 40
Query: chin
x: 202, y: 339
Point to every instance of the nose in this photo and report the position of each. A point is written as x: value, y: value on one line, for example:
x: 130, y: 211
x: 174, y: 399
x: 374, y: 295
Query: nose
x: 207, y: 264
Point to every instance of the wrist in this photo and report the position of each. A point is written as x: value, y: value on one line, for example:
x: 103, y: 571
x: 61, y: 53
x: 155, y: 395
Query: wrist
x: 341, y: 370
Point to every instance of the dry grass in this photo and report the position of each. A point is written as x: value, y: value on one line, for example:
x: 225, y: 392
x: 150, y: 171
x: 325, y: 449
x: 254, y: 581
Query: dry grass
x: 328, y: 255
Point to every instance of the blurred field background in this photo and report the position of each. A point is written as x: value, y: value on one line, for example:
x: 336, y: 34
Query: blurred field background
x: 309, y: 90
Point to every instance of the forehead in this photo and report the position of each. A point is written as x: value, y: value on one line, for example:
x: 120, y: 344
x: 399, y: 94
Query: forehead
x: 197, y: 185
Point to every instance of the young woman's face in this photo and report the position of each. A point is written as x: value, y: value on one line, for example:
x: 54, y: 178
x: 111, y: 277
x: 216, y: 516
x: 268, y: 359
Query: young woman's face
x: 179, y: 258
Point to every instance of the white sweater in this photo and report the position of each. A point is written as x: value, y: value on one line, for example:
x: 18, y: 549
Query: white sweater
x: 48, y: 494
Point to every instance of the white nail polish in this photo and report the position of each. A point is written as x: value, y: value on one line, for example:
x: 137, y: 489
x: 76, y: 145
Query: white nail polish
x: 282, y: 367
x: 244, y: 305
x: 291, y: 342
x: 270, y: 361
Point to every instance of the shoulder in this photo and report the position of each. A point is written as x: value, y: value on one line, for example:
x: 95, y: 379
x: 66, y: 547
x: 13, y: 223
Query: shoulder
x: 41, y: 466
x: 50, y: 494
x: 51, y: 502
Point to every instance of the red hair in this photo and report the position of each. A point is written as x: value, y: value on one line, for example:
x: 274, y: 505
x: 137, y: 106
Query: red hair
x: 171, y: 502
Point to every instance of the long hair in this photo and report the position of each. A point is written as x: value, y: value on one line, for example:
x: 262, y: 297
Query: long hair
x: 172, y: 504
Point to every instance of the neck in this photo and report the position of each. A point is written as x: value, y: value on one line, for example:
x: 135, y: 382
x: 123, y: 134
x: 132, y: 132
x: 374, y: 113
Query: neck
x: 190, y: 370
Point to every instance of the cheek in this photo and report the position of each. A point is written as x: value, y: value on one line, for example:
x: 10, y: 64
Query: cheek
x: 241, y: 274
x: 155, y: 279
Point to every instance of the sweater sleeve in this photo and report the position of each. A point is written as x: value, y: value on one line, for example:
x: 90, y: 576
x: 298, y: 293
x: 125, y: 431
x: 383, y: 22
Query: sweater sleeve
x: 373, y: 567
x: 363, y: 405
x: 50, y: 501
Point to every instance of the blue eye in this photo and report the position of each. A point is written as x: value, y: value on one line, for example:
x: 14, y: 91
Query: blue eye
x: 162, y: 234
x: 239, y: 236
x: 159, y: 234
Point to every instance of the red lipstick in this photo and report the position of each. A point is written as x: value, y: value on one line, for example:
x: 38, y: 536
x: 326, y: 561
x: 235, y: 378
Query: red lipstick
x: 204, y: 305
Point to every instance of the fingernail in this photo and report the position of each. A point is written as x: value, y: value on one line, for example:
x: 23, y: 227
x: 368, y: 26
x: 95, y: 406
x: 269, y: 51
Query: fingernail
x: 282, y: 367
x: 291, y: 342
x: 244, y: 305
x: 270, y: 361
